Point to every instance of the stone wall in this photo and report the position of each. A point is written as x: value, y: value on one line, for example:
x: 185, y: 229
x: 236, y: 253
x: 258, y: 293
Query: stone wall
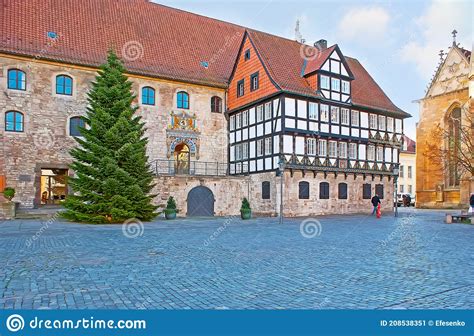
x: 45, y: 142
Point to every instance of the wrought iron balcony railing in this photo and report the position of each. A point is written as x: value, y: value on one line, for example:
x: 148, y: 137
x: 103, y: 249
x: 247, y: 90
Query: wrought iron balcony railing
x: 202, y: 168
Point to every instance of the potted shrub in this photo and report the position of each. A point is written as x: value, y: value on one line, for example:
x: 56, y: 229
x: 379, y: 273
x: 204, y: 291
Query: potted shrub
x: 9, y: 207
x: 245, y: 211
x: 170, y: 210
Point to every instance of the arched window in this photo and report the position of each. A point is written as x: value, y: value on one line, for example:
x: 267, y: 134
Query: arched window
x: 75, y: 123
x: 342, y: 190
x: 148, y: 96
x: 303, y: 190
x: 265, y: 190
x: 16, y: 79
x: 14, y: 121
x: 454, y: 146
x: 183, y: 100
x: 216, y: 104
x: 324, y: 190
x: 64, y: 85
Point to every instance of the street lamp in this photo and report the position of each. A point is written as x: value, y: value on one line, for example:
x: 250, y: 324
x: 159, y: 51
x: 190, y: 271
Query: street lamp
x: 396, y: 171
x: 281, y: 172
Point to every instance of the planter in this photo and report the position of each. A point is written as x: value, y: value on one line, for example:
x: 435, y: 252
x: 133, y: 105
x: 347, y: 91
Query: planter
x: 8, y: 209
x: 170, y: 214
x: 245, y: 213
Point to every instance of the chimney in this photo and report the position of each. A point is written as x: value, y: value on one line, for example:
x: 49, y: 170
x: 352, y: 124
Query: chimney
x: 321, y: 44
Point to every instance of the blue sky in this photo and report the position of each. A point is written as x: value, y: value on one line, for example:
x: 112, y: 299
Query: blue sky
x: 397, y: 41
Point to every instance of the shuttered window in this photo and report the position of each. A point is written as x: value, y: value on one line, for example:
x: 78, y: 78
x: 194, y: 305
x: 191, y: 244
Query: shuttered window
x: 324, y: 190
x: 303, y: 190
x: 342, y: 191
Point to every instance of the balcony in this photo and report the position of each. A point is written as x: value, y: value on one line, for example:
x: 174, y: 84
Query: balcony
x: 164, y: 167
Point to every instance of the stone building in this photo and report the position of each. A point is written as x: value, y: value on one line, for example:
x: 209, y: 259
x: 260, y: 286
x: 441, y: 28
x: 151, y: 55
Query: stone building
x: 225, y: 107
x: 447, y: 102
x: 407, y: 176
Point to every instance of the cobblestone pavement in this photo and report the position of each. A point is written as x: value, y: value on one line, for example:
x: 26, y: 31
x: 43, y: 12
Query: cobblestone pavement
x: 356, y: 261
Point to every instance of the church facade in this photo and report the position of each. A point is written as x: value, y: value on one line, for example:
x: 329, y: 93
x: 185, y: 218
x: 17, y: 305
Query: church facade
x: 230, y: 112
x: 447, y: 105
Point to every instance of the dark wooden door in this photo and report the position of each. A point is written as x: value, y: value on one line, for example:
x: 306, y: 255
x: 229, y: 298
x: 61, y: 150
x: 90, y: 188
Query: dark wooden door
x: 200, y: 202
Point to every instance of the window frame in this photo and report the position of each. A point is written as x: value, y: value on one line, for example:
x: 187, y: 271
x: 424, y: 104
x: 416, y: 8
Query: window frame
x: 311, y: 146
x: 324, y: 190
x: 355, y: 116
x: 322, y: 79
x: 146, y: 97
x: 216, y: 104
x: 240, y: 84
x: 335, y: 118
x: 366, y: 191
x: 342, y: 190
x: 65, y: 86
x: 182, y: 97
x: 71, y: 125
x: 313, y: 111
x: 335, y: 87
x: 247, y: 55
x: 253, y: 77
x: 379, y: 192
x: 22, y: 121
x: 303, y: 190
x: 324, y: 110
x: 16, y: 80
x: 266, y: 190
x: 345, y: 115
x: 346, y: 84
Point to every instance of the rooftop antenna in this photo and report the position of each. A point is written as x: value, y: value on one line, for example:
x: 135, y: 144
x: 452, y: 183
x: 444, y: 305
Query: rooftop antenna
x: 298, y: 36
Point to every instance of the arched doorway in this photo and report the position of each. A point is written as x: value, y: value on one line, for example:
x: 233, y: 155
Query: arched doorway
x: 200, y: 202
x: 181, y: 158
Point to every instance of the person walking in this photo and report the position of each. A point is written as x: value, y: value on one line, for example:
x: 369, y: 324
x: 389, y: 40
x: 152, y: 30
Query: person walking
x: 375, y: 202
x: 471, y: 203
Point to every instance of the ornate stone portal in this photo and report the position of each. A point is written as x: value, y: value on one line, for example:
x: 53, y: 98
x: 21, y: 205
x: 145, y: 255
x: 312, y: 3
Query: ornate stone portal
x: 182, y: 137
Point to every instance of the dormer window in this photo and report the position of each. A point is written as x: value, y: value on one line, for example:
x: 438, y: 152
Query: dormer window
x: 346, y: 87
x: 324, y: 82
x: 335, y: 84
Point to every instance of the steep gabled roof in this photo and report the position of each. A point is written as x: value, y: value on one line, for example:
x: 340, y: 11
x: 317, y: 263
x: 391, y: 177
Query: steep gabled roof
x: 169, y: 43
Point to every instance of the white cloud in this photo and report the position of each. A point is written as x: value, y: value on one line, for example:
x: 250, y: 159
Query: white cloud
x: 431, y: 32
x: 364, y: 25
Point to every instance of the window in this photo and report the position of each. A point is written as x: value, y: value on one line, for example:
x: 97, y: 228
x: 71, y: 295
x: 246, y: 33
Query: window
x: 324, y: 190
x: 240, y: 88
x: 64, y: 85
x: 334, y: 114
x: 245, y: 151
x: 216, y: 104
x: 410, y: 189
x: 371, y: 153
x: 14, y: 121
x: 345, y: 116
x: 16, y: 79
x: 354, y: 118
x: 366, y: 191
x: 346, y: 87
x: 373, y: 121
x: 245, y: 118
x: 265, y: 190
x: 380, y: 154
x: 254, y: 82
x: 260, y: 147
x: 311, y: 146
x: 247, y: 55
x: 268, y: 146
x: 352, y: 151
x: 268, y: 110
x: 75, y: 123
x: 402, y: 188
x: 342, y: 191
x: 148, y: 96
x: 238, y: 152
x: 324, y: 82
x: 324, y: 113
x: 313, y: 111
x: 332, y: 149
x: 379, y: 190
x: 322, y: 147
x: 232, y: 122
x: 238, y: 120
x: 343, y: 150
x: 389, y: 124
x: 409, y: 172
x: 402, y: 171
x: 335, y: 84
x: 183, y: 100
x: 381, y: 123
x: 303, y: 190
x: 259, y: 113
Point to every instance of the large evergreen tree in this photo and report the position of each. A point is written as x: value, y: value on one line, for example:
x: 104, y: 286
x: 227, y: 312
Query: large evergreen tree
x: 112, y: 181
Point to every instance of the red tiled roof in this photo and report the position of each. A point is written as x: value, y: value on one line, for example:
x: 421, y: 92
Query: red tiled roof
x: 172, y: 44
x: 410, y: 145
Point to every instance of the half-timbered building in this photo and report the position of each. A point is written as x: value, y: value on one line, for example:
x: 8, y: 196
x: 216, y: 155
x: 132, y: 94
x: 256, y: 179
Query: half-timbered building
x: 230, y: 112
